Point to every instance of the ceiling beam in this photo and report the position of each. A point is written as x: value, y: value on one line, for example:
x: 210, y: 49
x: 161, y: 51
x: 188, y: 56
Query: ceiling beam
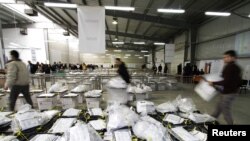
x: 67, y: 13
x: 148, y: 18
x: 135, y: 36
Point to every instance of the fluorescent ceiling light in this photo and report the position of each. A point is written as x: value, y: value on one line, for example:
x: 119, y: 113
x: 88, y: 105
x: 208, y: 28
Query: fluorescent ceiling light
x: 125, y: 57
x: 139, y: 43
x: 177, y: 11
x: 117, y: 50
x: 119, y: 8
x: 144, y: 51
x: 218, y: 13
x: 63, y: 5
x: 146, y: 55
x: 116, y: 39
x: 140, y: 57
x: 127, y: 54
x: 137, y: 55
x: 7, y: 1
x: 118, y: 43
x: 159, y: 43
x: 249, y: 15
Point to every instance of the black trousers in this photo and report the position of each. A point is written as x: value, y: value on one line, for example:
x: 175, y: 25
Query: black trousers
x: 15, y: 91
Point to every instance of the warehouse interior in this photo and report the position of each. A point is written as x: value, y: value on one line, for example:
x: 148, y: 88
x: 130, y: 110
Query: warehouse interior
x: 170, y: 49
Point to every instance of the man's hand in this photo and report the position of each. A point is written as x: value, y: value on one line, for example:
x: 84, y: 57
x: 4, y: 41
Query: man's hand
x: 5, y: 87
x: 210, y: 83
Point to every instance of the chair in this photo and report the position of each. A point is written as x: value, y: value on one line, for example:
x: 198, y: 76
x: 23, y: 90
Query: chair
x: 243, y: 86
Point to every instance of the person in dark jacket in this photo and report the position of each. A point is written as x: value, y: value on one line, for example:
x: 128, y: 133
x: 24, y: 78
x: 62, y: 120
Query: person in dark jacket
x: 159, y: 69
x: 231, y: 83
x: 122, y: 70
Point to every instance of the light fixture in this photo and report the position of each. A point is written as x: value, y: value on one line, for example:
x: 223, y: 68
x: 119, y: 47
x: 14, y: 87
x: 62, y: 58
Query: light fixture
x: 176, y: 11
x: 139, y: 43
x: 62, y: 5
x: 127, y: 54
x: 159, y: 43
x: 118, y: 43
x: 7, y: 1
x: 137, y: 55
x: 119, y: 8
x: 117, y: 50
x: 144, y: 51
x: 116, y: 38
x: 218, y: 14
x: 115, y: 21
x: 146, y: 55
x: 125, y: 57
x: 140, y: 57
x: 249, y: 15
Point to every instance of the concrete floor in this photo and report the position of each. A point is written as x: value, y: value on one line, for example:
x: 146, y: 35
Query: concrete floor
x: 240, y: 111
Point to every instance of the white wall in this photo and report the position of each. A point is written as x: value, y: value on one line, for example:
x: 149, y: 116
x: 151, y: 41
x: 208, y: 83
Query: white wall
x: 233, y: 28
x: 25, y: 43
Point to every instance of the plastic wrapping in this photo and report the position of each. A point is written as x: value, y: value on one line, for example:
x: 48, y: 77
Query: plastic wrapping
x: 55, y: 87
x: 93, y: 93
x: 185, y: 105
x: 27, y: 118
x: 117, y: 82
x: 8, y: 138
x: 71, y: 112
x: 80, y: 88
x: 45, y: 137
x: 4, y: 120
x: 151, y: 130
x: 50, y: 114
x: 62, y: 125
x: 81, y: 132
x: 166, y: 107
x: 145, y: 107
x: 120, y: 116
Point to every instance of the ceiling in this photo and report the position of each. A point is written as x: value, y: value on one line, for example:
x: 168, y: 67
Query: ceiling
x: 143, y: 24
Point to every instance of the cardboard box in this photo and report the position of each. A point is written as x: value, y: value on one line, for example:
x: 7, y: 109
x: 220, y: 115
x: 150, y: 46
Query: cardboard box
x: 69, y: 101
x: 46, y: 102
x: 93, y: 102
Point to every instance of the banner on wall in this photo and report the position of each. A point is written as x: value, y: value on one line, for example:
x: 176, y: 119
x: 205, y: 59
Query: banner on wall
x: 91, y: 29
x: 169, y: 53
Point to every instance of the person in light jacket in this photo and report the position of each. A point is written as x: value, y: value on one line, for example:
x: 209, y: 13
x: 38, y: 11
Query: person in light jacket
x: 17, y: 79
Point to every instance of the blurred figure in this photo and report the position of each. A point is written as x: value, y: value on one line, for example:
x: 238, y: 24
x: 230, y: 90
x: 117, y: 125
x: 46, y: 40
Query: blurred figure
x: 165, y: 71
x: 154, y: 68
x: 17, y: 79
x: 159, y: 69
x: 122, y: 70
x: 231, y: 83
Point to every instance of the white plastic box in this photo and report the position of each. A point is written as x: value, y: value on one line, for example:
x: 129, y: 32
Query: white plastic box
x: 152, y: 85
x: 46, y: 101
x: 116, y: 95
x: 34, y: 94
x: 69, y: 101
x: 93, y: 102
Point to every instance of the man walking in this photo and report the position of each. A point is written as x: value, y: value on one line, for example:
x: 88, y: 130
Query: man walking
x: 17, y: 79
x: 231, y: 83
